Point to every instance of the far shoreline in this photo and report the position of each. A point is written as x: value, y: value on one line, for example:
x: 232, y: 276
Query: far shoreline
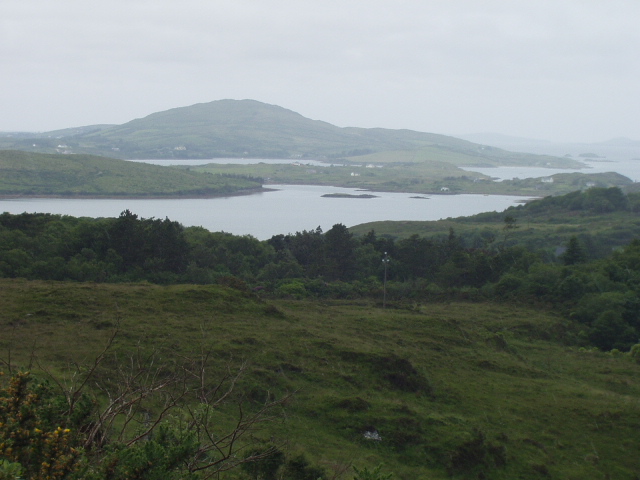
x: 139, y: 197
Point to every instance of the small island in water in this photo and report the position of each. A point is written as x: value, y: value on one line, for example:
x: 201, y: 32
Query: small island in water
x: 348, y: 195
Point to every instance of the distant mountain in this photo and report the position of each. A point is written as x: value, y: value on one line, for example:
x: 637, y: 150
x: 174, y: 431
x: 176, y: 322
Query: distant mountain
x: 248, y: 128
x: 621, y: 142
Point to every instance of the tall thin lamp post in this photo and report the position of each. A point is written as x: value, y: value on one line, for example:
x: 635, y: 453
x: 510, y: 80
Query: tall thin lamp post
x: 385, y: 261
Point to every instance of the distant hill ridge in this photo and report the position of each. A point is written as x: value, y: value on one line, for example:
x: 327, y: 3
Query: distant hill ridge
x: 248, y: 128
x: 251, y: 128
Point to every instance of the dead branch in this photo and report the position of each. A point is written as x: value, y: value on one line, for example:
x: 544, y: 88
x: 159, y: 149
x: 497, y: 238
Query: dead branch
x: 142, y: 390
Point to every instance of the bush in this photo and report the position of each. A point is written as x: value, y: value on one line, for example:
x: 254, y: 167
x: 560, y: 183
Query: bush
x: 476, y: 455
x: 375, y: 474
x: 508, y: 286
x: 635, y: 352
x: 299, y: 468
x: 50, y: 432
x: 266, y: 468
x: 10, y: 471
x: 37, y: 438
x: 294, y: 289
x: 611, y: 331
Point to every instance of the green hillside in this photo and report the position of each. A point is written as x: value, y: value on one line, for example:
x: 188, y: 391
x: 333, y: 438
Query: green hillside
x: 247, y: 128
x: 438, y: 391
x: 23, y: 173
x: 602, y: 218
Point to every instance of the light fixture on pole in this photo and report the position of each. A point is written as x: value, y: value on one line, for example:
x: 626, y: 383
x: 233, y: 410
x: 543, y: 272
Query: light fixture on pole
x: 385, y: 261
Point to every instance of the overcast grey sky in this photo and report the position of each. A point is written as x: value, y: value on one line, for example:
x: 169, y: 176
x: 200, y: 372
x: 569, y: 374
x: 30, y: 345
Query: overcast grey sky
x: 563, y: 70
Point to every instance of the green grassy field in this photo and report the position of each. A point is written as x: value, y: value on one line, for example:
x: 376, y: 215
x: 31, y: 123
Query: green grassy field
x: 23, y: 173
x: 454, y: 390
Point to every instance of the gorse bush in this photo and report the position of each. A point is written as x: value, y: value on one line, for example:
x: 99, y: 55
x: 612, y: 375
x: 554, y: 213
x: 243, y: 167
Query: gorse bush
x: 38, y: 439
x: 159, y: 420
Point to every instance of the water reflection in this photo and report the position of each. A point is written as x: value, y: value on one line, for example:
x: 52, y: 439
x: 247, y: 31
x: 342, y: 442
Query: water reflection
x: 288, y: 209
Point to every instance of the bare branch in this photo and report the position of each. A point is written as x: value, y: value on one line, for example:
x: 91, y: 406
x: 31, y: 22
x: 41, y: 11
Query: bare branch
x: 227, y: 445
x: 144, y: 389
x: 97, y: 361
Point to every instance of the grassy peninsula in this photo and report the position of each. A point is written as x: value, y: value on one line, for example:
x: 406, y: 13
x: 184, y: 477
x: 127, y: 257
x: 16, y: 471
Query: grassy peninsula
x: 77, y: 175
x: 37, y: 174
x: 429, y: 177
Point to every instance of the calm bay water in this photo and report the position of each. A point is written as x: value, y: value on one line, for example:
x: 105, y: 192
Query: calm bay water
x: 288, y: 209
x: 624, y: 160
x: 628, y: 168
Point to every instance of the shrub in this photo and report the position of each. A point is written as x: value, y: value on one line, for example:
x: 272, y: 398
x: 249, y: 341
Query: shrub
x: 266, y: 468
x: 293, y: 289
x: 299, y: 468
x: 37, y: 437
x: 54, y: 433
x: 508, y: 286
x: 610, y: 331
x: 375, y: 474
x: 476, y: 455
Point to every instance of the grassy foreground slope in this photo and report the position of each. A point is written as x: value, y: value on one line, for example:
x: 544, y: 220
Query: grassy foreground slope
x: 23, y: 173
x: 454, y: 390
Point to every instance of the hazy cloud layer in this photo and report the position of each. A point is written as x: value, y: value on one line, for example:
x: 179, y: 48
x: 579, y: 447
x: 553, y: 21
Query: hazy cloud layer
x: 559, y: 70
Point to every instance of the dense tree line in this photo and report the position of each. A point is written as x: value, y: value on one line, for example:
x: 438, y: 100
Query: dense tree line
x: 600, y: 292
x: 129, y: 248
